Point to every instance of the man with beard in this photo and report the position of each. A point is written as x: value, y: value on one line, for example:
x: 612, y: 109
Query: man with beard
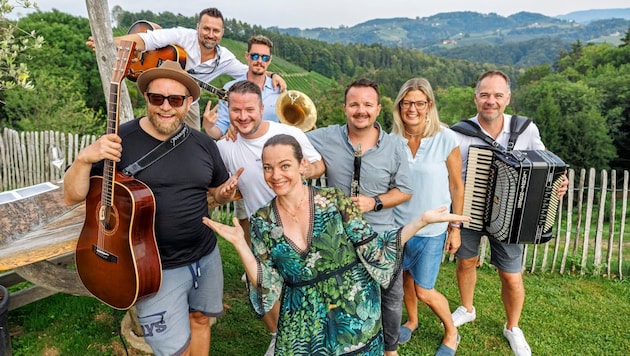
x: 258, y: 57
x: 175, y: 320
x: 205, y: 59
x: 384, y: 178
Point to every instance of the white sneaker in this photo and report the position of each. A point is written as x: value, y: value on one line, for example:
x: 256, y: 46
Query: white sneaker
x: 461, y: 316
x: 271, y: 350
x: 517, y: 341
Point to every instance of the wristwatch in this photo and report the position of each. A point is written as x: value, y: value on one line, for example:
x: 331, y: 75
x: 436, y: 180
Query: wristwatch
x: 378, y: 204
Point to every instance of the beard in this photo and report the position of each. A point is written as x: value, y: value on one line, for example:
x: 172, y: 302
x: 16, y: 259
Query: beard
x: 253, y: 129
x: 258, y: 70
x: 361, y: 122
x: 165, y: 127
x: 208, y: 45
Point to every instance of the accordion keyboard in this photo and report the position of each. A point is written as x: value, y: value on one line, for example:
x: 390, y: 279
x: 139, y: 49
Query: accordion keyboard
x: 512, y: 195
x: 476, y: 187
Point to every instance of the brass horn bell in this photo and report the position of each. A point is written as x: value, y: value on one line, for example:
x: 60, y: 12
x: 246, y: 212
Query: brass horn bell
x: 296, y: 109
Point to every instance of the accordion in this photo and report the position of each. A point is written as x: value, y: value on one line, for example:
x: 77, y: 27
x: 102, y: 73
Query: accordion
x: 512, y: 195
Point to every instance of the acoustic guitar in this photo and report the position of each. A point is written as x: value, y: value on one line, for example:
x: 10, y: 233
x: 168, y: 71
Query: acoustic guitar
x: 151, y: 59
x: 117, y: 257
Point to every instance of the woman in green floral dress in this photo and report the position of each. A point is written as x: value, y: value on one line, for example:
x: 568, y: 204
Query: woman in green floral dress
x: 312, y: 249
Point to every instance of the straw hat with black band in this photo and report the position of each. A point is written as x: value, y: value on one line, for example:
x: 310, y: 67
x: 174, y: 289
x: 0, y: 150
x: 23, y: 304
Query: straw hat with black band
x: 169, y: 70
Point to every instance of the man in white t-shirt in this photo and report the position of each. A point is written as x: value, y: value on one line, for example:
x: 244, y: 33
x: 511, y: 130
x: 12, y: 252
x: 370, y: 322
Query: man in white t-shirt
x: 216, y: 121
x: 245, y: 108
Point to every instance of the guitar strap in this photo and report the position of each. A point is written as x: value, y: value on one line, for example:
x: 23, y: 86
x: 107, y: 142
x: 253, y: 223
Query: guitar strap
x: 158, y: 152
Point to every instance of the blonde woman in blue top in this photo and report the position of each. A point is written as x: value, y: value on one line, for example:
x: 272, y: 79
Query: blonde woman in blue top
x: 436, y: 172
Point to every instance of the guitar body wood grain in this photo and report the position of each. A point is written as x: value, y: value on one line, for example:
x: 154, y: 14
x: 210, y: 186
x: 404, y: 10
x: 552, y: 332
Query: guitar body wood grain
x: 119, y: 263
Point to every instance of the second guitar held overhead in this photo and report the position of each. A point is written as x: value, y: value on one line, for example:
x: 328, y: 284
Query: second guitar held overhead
x: 152, y: 59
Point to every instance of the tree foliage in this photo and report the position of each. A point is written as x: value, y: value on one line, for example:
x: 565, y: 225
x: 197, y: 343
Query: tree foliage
x: 581, y: 103
x: 14, y: 43
x: 67, y: 93
x: 455, y: 104
x: 54, y: 104
x: 569, y: 120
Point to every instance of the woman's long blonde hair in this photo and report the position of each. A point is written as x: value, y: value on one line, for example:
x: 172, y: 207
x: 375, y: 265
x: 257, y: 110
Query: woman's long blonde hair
x: 434, y: 125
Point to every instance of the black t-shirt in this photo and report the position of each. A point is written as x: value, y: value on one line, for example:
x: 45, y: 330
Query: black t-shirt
x: 179, y: 181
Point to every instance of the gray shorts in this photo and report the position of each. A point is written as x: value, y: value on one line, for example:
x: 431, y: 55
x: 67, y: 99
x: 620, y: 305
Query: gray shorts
x: 239, y: 209
x: 506, y: 257
x: 193, y: 118
x: 164, y: 316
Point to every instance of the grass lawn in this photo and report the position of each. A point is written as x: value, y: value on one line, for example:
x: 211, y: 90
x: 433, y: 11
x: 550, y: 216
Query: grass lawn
x: 564, y: 315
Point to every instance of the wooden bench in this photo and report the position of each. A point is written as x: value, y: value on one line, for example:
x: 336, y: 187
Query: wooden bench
x: 38, y: 235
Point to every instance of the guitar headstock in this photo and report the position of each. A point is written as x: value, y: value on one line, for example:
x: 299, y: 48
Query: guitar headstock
x: 123, y: 60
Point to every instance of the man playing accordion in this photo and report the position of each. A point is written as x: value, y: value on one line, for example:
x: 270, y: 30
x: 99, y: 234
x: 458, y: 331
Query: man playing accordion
x: 492, y: 95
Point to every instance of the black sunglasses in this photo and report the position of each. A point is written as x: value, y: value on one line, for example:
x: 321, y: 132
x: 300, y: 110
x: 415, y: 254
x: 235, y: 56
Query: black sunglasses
x: 255, y: 56
x: 173, y: 100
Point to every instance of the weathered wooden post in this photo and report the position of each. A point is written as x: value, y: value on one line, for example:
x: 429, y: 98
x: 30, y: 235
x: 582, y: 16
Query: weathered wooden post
x: 100, y: 23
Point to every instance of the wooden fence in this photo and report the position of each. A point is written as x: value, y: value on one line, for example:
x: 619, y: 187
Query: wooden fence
x: 25, y: 157
x: 589, y: 234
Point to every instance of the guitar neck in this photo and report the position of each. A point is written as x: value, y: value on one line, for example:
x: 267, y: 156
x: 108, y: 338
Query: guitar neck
x: 109, y: 167
x: 121, y: 68
x: 221, y: 93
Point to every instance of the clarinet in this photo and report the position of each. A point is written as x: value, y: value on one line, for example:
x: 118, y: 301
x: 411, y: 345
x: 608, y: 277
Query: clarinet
x: 354, y: 187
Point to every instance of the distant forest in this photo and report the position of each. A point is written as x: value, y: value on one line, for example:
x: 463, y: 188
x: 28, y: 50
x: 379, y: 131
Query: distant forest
x: 580, y: 102
x: 390, y: 66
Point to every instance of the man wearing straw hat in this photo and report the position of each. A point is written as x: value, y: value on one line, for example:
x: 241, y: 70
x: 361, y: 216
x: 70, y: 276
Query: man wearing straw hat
x: 176, y: 319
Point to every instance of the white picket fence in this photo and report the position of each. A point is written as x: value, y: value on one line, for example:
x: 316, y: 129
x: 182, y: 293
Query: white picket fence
x: 589, y: 234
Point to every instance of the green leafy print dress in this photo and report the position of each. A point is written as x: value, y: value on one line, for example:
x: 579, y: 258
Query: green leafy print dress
x: 330, y: 293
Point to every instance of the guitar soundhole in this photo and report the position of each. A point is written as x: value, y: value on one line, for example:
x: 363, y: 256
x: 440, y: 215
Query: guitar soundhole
x: 107, y: 216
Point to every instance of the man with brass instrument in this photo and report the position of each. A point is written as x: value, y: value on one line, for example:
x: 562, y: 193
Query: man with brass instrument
x: 291, y: 107
x: 258, y: 57
x: 246, y: 110
x: 385, y: 181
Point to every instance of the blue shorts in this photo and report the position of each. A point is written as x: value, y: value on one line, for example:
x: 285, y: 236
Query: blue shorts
x: 506, y: 257
x: 422, y: 258
x: 164, y: 316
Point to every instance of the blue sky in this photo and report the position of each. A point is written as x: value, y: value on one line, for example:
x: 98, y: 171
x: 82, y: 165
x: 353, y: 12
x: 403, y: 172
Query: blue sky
x: 333, y: 13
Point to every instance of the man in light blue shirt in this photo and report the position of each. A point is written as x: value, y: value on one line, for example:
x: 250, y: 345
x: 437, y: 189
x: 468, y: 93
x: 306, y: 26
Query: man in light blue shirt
x: 258, y: 56
x: 383, y: 180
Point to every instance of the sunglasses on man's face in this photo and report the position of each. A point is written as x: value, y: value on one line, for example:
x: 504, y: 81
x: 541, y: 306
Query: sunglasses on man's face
x: 265, y: 57
x: 173, y: 100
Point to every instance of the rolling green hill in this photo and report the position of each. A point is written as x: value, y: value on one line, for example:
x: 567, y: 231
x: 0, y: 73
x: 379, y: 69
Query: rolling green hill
x: 523, y: 39
x: 315, y: 85
x: 297, y: 78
